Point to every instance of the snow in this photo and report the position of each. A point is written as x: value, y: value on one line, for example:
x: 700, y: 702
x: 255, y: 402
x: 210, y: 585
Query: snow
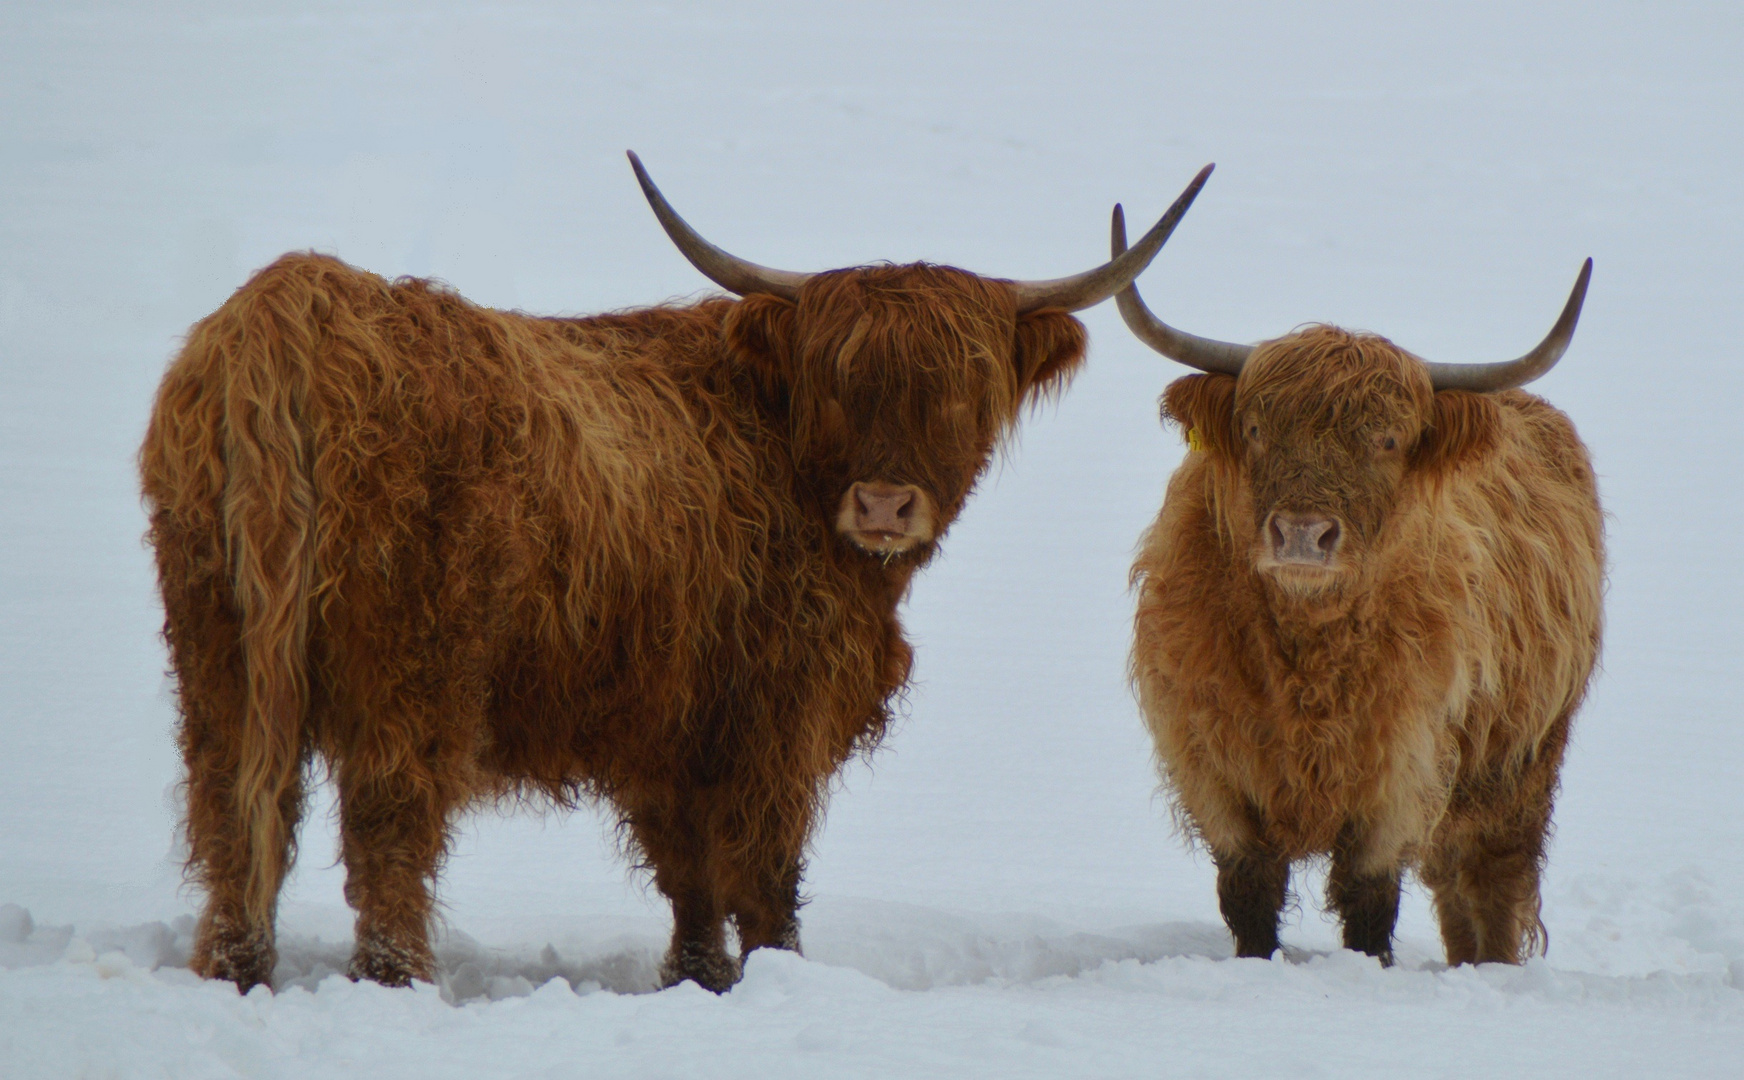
x: 1000, y: 892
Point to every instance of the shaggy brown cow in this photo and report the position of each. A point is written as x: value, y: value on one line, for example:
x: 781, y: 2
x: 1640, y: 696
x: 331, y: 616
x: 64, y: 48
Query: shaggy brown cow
x: 1367, y: 612
x: 652, y: 558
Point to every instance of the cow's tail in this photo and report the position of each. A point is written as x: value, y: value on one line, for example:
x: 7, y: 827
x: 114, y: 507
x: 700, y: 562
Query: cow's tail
x: 269, y: 334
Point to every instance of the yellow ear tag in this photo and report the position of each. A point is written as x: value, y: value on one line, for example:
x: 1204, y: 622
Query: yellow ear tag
x: 1195, y: 441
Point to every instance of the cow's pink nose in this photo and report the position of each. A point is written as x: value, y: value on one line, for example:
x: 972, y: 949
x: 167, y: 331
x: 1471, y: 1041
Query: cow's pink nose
x: 1307, y: 539
x: 883, y: 511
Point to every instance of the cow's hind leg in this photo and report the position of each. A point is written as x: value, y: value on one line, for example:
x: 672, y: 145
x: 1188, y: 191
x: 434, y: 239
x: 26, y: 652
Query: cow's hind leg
x: 394, y: 829
x: 1485, y: 885
x: 1485, y: 863
x: 1453, y: 911
x: 1251, y: 887
x: 1365, y: 896
x: 672, y: 832
x: 234, y: 939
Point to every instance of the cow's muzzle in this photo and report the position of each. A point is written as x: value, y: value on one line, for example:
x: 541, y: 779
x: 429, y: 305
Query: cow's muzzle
x: 1303, y: 539
x: 885, y: 519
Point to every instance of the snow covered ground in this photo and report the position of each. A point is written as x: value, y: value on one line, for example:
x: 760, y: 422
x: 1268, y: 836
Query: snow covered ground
x: 1000, y: 893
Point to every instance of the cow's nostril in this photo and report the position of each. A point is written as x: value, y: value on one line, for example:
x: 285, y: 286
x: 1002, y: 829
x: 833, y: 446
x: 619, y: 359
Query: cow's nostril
x: 1328, y: 540
x: 904, y: 505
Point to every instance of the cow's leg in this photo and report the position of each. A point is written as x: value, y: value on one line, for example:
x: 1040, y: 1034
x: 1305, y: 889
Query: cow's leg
x: 1363, y: 888
x: 672, y: 832
x: 402, y: 735
x: 393, y: 833
x: 1453, y: 911
x: 1486, y: 894
x: 1251, y: 887
x: 1485, y: 868
x: 1505, y: 905
x: 765, y: 907
x: 762, y: 862
x: 234, y: 939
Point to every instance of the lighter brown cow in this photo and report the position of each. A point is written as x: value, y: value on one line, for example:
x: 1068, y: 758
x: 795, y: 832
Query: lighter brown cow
x: 1366, y: 616
x: 650, y: 558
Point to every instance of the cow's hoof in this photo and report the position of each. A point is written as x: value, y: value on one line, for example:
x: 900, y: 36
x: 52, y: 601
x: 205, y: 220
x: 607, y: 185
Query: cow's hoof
x: 711, y: 969
x: 247, y: 972
x: 382, y: 961
x: 224, y: 951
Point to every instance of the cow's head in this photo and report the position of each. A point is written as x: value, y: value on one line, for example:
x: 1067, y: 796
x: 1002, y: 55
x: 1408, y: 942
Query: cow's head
x: 899, y: 382
x: 1316, y: 434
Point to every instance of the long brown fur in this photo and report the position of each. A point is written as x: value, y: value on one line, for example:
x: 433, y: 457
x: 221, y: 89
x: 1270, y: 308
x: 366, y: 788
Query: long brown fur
x: 460, y: 555
x: 1412, y: 713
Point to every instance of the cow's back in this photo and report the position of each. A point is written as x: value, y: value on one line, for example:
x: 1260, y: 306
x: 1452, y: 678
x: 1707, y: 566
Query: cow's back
x: 523, y: 501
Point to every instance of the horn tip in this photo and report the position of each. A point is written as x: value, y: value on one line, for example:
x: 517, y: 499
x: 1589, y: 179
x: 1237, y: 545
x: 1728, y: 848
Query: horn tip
x: 1581, y: 280
x: 636, y: 164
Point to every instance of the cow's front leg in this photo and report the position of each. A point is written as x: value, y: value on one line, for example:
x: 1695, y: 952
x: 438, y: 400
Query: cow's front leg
x: 767, y: 913
x: 698, y: 951
x: 672, y: 832
x: 762, y: 880
x: 1363, y: 888
x: 1250, y: 892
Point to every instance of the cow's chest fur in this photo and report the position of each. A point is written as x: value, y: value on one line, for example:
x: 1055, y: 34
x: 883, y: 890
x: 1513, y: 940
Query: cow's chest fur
x: 1279, y: 728
x: 1343, y: 724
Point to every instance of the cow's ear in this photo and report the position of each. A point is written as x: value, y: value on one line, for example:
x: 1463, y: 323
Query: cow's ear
x: 1050, y: 347
x: 1204, y: 407
x: 760, y: 331
x: 1463, y: 425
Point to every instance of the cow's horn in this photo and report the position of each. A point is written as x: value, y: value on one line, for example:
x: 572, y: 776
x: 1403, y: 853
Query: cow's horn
x: 1512, y: 373
x: 728, y: 271
x: 1206, y: 354
x: 1094, y: 286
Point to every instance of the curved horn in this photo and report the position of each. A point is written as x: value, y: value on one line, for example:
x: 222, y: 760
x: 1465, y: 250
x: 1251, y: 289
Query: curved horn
x: 1206, y: 354
x: 1511, y: 373
x: 1094, y: 286
x: 728, y: 271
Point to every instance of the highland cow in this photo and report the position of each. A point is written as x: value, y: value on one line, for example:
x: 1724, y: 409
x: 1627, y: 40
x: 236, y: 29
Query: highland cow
x: 653, y: 558
x: 1366, y: 616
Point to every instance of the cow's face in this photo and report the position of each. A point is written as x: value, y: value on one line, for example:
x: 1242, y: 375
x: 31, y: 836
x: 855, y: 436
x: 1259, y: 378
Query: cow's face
x: 899, y: 383
x: 1318, y: 438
